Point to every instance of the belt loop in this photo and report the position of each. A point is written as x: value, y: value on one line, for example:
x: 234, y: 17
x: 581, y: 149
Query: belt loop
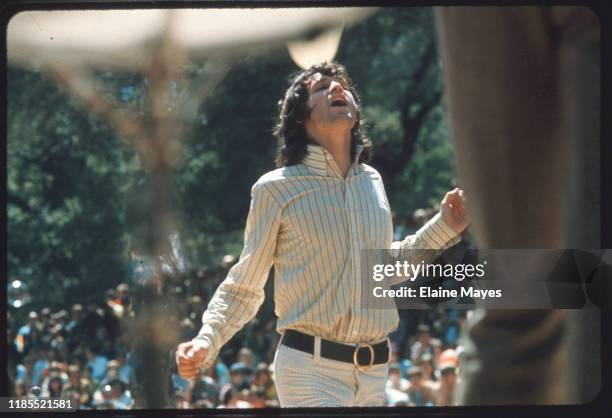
x: 317, y: 349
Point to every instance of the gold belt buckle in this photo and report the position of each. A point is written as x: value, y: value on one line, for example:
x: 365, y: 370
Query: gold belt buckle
x: 356, y: 359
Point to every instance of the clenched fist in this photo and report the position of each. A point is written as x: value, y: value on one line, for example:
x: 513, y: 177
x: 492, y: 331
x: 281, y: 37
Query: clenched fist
x: 189, y: 357
x: 453, y: 210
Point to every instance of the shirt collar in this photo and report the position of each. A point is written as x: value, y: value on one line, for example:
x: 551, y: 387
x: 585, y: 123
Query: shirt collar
x: 321, y: 162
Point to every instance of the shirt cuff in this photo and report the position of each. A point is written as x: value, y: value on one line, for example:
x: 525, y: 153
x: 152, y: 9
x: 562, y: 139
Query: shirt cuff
x: 437, y: 234
x: 206, y: 334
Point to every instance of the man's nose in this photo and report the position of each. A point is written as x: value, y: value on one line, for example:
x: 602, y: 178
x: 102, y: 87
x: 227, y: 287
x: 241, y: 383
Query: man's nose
x: 334, y: 86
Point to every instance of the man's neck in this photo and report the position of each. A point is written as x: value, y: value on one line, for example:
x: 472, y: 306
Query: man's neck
x: 338, y: 144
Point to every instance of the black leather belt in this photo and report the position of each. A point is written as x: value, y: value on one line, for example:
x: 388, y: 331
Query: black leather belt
x: 363, y: 356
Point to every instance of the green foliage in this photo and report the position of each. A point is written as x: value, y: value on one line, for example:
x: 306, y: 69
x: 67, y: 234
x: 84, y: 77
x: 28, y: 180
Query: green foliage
x: 67, y: 177
x: 431, y: 172
x: 387, y: 56
x: 229, y: 146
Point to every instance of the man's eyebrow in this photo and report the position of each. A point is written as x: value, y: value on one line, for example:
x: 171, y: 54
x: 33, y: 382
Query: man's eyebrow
x: 328, y: 79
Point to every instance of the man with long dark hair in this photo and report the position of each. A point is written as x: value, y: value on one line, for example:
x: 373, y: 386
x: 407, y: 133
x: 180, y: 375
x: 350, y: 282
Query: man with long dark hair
x: 310, y: 218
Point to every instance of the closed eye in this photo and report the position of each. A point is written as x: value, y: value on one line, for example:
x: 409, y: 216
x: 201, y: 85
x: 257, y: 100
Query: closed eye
x: 325, y: 84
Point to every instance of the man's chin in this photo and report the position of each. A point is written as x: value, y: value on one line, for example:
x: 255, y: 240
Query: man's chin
x: 344, y: 118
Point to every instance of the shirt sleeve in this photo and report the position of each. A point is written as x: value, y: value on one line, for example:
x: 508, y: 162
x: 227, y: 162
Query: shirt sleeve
x: 434, y: 235
x: 239, y: 296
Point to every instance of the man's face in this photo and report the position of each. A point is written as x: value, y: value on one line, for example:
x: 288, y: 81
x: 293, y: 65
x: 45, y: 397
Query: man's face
x: 331, y: 103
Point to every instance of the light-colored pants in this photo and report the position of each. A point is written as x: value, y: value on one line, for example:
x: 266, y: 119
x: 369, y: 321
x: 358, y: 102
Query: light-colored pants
x: 308, y: 380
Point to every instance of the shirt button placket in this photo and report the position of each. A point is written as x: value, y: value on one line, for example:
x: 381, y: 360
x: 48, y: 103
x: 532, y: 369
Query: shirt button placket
x: 357, y: 252
x: 354, y: 248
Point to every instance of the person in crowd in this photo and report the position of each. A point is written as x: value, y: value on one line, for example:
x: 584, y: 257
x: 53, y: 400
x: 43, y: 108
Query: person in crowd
x: 246, y: 356
x: 24, y: 370
x: 445, y: 393
x: 395, y: 380
x: 74, y: 324
x: 425, y: 344
x: 23, y: 334
x: 180, y: 401
x: 205, y: 387
x: 92, y: 321
x: 125, y: 370
x: 56, y: 369
x: 119, y: 300
x: 120, y: 395
x: 426, y: 363
x: 45, y: 314
x: 77, y: 387
x: 263, y: 381
x: 20, y: 389
x: 102, y: 398
x: 111, y: 322
x: 258, y: 398
x: 58, y: 342
x: 55, y: 387
x: 219, y: 373
x: 240, y: 375
x: 194, y: 307
x: 97, y: 362
x: 396, y: 388
x: 420, y: 394
x: 448, y: 356
x: 112, y: 372
x: 230, y: 398
x: 187, y: 327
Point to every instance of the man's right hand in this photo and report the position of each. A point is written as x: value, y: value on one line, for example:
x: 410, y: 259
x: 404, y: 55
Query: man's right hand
x: 189, y: 357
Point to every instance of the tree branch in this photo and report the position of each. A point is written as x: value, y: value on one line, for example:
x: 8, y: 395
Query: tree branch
x: 412, y: 123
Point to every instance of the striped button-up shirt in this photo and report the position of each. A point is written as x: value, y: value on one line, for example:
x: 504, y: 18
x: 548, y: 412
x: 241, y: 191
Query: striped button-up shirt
x: 311, y: 222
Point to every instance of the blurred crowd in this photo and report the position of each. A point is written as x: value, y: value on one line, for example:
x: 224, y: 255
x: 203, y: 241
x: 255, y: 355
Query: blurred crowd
x: 81, y: 352
x: 85, y: 351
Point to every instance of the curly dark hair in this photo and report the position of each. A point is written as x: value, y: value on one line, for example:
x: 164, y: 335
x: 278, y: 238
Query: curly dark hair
x: 293, y: 108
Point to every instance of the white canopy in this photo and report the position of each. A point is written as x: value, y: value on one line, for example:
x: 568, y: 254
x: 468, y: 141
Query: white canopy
x: 126, y: 39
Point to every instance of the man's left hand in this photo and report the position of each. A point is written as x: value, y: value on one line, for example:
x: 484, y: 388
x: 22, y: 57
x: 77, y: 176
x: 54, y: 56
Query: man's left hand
x: 453, y: 210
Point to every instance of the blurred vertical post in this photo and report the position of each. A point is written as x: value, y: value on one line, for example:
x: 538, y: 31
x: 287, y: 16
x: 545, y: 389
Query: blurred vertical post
x: 161, y: 155
x: 522, y: 87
